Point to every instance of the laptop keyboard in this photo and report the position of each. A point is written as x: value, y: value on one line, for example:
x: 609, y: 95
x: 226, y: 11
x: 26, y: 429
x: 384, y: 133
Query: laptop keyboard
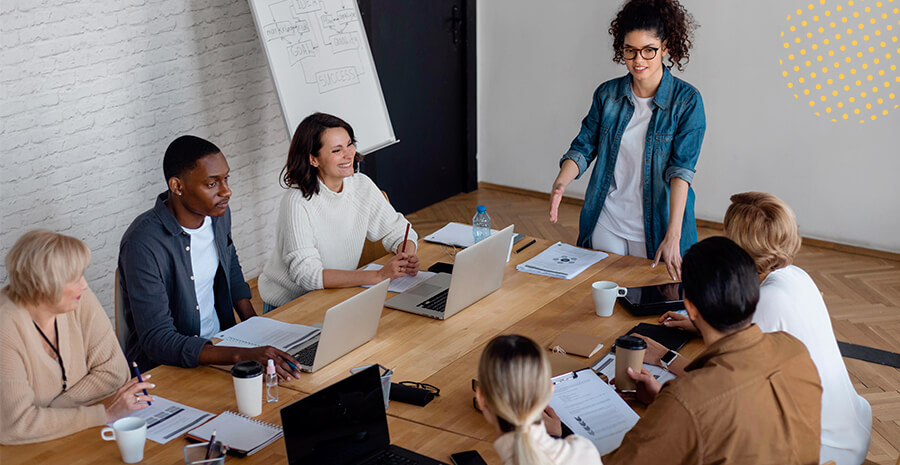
x: 437, y: 303
x: 389, y: 458
x: 307, y: 356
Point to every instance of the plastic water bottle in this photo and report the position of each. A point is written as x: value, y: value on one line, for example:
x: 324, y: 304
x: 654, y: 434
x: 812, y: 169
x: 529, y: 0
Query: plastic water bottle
x: 271, y: 382
x: 481, y: 224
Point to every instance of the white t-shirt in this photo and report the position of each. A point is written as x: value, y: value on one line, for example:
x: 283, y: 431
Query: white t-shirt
x: 790, y: 301
x: 623, y: 210
x: 205, y: 263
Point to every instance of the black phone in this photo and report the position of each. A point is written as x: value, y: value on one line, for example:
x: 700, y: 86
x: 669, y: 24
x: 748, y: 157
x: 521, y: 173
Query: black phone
x: 441, y: 267
x: 469, y: 457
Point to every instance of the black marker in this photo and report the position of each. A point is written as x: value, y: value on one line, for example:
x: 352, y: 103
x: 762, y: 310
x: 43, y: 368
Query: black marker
x: 526, y: 246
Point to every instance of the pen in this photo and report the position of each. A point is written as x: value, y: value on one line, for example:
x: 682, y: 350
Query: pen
x: 526, y: 246
x: 212, y: 439
x: 405, y: 238
x: 137, y: 373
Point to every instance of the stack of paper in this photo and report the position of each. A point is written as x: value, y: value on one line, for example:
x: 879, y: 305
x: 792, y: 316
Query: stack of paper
x: 562, y: 261
x: 167, y: 420
x: 455, y: 234
x: 261, y: 331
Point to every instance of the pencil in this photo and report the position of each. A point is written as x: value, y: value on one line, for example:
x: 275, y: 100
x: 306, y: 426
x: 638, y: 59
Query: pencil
x: 137, y: 373
x: 212, y: 440
x: 405, y: 238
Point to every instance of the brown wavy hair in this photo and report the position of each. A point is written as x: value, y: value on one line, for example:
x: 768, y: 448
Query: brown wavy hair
x: 298, y: 173
x: 667, y: 19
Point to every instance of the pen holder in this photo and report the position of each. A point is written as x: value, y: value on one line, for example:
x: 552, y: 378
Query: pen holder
x: 195, y: 454
x: 385, y: 381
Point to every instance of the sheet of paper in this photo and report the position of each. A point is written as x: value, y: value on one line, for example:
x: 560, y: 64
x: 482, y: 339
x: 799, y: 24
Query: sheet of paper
x: 167, y: 420
x: 607, y: 366
x: 592, y: 409
x: 455, y: 234
x: 562, y: 261
x: 261, y: 331
x: 401, y: 284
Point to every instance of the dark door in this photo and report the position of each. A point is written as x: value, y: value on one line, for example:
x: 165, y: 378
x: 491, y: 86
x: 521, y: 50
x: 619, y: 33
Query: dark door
x: 425, y: 56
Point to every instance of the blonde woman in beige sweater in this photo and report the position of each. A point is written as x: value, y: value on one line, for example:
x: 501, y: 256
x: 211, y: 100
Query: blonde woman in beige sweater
x: 61, y: 368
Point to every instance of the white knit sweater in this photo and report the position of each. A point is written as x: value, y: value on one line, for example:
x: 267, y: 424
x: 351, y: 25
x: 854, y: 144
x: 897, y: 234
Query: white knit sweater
x: 327, y: 232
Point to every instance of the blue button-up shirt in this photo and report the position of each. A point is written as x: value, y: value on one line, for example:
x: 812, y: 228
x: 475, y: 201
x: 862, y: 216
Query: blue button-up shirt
x: 671, y: 149
x: 155, y: 278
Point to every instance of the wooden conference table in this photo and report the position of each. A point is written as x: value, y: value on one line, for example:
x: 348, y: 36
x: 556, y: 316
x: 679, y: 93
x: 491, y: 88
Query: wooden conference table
x: 442, y: 353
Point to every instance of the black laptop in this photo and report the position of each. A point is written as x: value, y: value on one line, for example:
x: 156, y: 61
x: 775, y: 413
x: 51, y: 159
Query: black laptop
x: 653, y: 300
x: 344, y: 424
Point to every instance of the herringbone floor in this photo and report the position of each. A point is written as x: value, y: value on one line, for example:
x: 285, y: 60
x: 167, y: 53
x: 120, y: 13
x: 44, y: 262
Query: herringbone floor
x: 862, y: 292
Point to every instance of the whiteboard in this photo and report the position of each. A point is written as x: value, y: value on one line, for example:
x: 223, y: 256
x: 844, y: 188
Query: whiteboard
x: 320, y: 60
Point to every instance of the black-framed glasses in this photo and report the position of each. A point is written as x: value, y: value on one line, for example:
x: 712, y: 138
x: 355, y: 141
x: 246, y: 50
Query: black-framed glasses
x: 647, y: 53
x: 428, y: 387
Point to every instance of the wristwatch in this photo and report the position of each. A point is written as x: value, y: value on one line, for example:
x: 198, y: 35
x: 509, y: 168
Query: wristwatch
x: 668, y: 358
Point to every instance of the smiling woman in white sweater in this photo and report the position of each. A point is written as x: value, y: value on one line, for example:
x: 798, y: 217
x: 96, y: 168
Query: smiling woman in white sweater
x: 326, y: 215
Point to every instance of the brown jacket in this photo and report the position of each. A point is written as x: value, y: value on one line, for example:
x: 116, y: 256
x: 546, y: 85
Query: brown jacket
x: 750, y: 398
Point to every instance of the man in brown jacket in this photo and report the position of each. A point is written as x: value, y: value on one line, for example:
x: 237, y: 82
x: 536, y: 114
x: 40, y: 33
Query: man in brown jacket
x: 749, y: 398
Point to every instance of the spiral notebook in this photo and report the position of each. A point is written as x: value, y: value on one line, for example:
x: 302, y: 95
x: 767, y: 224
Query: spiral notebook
x: 242, y: 435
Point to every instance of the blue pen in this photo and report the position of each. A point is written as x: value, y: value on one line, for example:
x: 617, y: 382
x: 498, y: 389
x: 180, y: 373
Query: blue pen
x: 137, y: 372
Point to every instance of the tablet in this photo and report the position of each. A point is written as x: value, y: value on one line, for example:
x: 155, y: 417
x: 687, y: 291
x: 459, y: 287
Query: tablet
x: 653, y: 300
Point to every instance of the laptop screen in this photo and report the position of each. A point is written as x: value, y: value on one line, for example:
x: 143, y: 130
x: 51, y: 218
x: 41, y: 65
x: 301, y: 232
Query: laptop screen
x: 341, y: 424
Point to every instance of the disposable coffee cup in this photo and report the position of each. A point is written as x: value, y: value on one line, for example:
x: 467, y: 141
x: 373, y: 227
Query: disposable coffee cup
x: 130, y: 434
x: 248, y: 386
x: 605, y: 293
x: 629, y: 353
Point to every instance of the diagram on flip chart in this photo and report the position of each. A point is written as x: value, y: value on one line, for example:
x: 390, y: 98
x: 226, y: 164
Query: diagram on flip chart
x: 320, y: 61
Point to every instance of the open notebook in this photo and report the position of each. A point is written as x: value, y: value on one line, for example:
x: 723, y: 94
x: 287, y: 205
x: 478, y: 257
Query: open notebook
x: 242, y: 435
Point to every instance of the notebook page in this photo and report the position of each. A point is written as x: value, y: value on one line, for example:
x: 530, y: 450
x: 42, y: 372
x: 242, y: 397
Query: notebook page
x: 238, y: 432
x: 261, y: 331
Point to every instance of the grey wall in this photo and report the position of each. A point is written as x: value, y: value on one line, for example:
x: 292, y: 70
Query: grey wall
x: 539, y: 64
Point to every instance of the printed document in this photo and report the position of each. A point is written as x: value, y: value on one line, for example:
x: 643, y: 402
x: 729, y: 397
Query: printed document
x: 607, y: 367
x: 403, y: 283
x: 167, y: 420
x: 261, y: 331
x: 455, y: 234
x: 562, y: 261
x: 592, y: 409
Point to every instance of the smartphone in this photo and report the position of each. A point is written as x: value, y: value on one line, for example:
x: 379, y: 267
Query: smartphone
x: 469, y: 457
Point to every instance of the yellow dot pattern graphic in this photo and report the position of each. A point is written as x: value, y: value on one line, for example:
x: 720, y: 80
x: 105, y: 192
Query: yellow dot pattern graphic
x: 862, y: 39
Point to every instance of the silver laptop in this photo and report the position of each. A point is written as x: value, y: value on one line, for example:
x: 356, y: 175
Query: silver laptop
x: 477, y: 271
x: 347, y: 326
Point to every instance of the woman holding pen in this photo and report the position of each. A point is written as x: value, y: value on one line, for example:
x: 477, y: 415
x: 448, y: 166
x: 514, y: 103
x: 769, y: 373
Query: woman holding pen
x: 644, y: 132
x: 61, y: 368
x: 326, y: 215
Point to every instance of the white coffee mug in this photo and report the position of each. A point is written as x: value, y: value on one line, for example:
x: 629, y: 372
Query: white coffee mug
x: 248, y: 387
x: 605, y: 293
x: 130, y: 433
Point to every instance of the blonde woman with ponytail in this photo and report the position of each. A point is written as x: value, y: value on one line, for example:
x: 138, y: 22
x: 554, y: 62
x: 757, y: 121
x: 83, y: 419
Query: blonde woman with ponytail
x: 513, y: 390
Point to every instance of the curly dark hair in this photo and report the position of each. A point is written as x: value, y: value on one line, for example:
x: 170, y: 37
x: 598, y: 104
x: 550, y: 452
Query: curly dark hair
x: 298, y: 173
x: 667, y: 19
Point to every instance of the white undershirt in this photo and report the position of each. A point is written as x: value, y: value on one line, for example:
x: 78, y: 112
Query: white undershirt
x: 205, y: 264
x: 623, y: 210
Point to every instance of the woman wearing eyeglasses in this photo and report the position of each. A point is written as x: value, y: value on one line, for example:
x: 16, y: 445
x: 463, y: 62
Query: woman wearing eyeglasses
x: 644, y: 132
x: 61, y: 368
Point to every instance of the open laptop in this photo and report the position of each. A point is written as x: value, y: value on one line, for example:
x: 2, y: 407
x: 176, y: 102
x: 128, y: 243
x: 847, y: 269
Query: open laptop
x: 477, y: 271
x: 344, y: 424
x: 347, y: 326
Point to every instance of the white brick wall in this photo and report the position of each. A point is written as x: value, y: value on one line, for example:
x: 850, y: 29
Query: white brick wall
x: 93, y: 92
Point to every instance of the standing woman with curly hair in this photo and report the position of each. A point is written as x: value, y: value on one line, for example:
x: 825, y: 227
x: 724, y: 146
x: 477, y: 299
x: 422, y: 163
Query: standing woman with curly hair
x: 644, y: 130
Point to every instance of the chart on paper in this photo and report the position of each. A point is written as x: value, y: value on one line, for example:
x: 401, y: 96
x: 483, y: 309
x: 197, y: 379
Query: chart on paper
x: 320, y: 60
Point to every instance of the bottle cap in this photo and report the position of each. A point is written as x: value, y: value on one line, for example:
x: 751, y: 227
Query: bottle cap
x: 270, y: 368
x: 481, y: 209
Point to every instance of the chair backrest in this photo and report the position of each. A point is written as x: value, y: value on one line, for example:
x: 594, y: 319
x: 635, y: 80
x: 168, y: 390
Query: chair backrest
x: 121, y: 329
x: 372, y: 250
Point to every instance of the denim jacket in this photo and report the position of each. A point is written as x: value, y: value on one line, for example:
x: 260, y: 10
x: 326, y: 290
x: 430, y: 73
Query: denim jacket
x: 156, y: 280
x: 671, y: 149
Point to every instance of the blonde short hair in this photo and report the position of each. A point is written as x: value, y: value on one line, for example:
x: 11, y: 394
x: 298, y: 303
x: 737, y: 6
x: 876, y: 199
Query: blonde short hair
x: 765, y: 227
x: 41, y: 263
x: 514, y: 378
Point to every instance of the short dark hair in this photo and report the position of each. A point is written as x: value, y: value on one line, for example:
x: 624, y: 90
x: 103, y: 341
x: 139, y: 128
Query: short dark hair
x: 298, y: 172
x: 720, y: 279
x: 183, y: 153
x: 667, y: 19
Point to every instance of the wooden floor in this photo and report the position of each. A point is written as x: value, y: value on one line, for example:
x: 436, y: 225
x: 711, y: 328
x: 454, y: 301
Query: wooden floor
x: 862, y: 292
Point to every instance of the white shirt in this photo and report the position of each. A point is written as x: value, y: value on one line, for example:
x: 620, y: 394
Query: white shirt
x: 790, y: 301
x: 205, y: 264
x: 623, y: 210
x: 572, y: 449
x: 327, y: 232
